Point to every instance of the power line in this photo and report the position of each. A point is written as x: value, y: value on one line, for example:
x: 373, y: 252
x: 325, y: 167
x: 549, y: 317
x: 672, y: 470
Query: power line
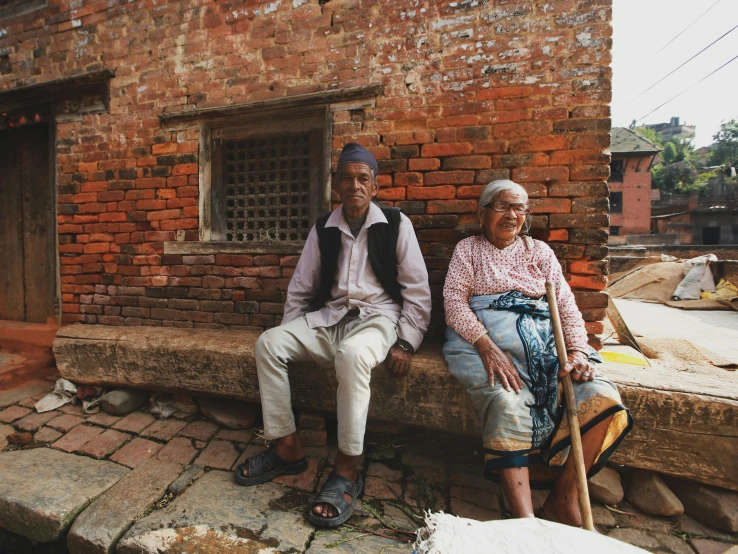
x: 682, y: 65
x: 688, y: 88
x: 687, y: 27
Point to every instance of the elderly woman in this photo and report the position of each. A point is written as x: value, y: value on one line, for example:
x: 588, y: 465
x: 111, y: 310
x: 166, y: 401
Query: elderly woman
x: 500, y: 345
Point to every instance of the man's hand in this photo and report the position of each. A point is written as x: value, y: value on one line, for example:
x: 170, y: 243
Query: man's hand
x: 398, y: 361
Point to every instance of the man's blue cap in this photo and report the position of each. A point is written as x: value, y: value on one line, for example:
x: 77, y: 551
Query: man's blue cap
x: 354, y: 152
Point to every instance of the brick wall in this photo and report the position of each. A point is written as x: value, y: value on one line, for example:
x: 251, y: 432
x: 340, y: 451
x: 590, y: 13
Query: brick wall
x: 473, y: 91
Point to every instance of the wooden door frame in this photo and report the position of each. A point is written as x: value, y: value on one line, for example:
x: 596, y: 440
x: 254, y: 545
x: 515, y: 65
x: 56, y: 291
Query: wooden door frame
x: 50, y: 193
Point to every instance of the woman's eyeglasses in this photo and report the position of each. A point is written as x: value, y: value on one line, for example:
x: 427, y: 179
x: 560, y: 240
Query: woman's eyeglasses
x: 503, y: 207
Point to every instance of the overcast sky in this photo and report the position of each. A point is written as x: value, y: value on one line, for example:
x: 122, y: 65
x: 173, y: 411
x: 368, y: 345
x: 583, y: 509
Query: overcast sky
x: 640, y: 29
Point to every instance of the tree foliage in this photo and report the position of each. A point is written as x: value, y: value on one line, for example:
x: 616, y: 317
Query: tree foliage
x: 669, y: 153
x: 678, y: 176
x: 651, y: 135
x: 725, y: 148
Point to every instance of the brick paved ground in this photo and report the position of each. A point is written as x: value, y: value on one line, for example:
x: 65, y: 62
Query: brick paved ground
x: 405, y: 471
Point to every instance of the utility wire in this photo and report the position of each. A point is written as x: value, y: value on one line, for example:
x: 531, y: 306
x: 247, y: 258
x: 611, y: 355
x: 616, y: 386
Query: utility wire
x: 682, y: 65
x: 688, y: 88
x: 687, y: 27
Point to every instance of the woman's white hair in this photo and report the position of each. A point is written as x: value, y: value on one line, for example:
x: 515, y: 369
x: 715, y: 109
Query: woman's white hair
x: 492, y: 191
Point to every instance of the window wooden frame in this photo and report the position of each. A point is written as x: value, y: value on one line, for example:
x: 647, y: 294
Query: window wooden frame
x: 214, y: 123
x: 315, y: 124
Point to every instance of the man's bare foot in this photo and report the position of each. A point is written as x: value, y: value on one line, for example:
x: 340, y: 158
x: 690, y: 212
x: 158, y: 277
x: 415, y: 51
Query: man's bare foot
x: 288, y: 448
x: 345, y: 466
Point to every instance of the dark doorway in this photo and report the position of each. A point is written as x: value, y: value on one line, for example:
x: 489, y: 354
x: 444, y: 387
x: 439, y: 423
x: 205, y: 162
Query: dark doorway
x: 711, y: 235
x: 27, y: 224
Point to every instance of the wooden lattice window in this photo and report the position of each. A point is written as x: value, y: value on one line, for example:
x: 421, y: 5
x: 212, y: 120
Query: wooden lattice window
x: 268, y: 180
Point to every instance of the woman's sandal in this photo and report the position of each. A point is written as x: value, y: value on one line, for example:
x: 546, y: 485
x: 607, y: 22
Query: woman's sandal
x: 266, y: 466
x: 335, y: 487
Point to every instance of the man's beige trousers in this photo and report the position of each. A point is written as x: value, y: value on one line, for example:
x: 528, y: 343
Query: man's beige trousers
x: 353, y: 346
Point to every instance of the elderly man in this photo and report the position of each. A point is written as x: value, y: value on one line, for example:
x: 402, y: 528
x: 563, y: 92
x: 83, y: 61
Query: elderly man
x: 359, y: 295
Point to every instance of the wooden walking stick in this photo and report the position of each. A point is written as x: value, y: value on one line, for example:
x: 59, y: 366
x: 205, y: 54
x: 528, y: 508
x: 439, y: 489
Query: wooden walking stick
x: 572, y: 412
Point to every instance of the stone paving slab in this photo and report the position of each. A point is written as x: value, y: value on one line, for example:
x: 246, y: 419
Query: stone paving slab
x: 216, y: 515
x: 43, y: 490
x: 350, y: 541
x: 14, y: 396
x: 5, y: 430
x: 98, y: 528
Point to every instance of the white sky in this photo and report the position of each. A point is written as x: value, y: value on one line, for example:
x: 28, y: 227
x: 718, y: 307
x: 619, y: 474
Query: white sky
x: 640, y: 29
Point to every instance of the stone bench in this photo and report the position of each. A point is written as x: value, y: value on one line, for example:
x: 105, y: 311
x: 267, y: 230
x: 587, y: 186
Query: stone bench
x: 686, y: 424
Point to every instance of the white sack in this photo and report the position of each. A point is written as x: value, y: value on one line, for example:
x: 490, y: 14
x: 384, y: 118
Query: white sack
x: 447, y: 534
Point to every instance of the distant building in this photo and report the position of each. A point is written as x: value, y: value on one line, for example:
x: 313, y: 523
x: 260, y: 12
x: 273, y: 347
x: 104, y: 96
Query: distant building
x: 673, y: 129
x: 630, y: 182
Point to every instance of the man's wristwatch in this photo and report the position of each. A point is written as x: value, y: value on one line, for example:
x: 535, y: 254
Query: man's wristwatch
x: 406, y: 346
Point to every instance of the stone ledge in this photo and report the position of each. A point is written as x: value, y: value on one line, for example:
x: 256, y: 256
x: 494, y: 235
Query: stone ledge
x: 686, y: 425
x: 216, y: 247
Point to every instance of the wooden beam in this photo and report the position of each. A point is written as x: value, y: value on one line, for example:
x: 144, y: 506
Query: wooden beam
x: 58, y: 89
x: 188, y: 117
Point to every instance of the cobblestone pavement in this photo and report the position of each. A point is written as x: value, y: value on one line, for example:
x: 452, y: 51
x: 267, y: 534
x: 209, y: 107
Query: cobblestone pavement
x: 406, y: 472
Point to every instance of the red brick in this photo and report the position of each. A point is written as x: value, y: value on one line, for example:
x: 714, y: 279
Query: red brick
x: 104, y: 444
x: 507, y: 92
x: 136, y: 452
x: 550, y: 205
x: 185, y: 169
x: 431, y: 193
x: 218, y: 454
x: 163, y: 429
x: 539, y: 144
x: 65, y: 422
x: 446, y: 149
x: 179, y: 450
x: 200, y: 430
x: 164, y: 148
x: 451, y: 206
x: 9, y: 415
x: 540, y: 174
x: 467, y: 162
x: 490, y: 147
x: 449, y: 178
x: 35, y: 420
x: 394, y: 193
x: 589, y: 282
x: 135, y: 422
x: 77, y: 438
x: 424, y: 164
x: 408, y: 179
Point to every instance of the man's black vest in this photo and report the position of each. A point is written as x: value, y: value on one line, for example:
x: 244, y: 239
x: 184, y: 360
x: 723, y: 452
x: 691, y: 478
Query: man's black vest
x: 382, y: 243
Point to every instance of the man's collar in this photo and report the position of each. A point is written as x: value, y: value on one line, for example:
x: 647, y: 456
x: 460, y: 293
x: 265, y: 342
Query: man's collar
x: 374, y: 215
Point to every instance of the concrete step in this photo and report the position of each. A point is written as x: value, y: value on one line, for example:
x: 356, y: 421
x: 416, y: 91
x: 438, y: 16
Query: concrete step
x: 42, y: 491
x: 215, y: 515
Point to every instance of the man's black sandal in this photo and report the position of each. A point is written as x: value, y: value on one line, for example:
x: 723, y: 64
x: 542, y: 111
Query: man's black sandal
x: 266, y: 466
x: 335, y: 487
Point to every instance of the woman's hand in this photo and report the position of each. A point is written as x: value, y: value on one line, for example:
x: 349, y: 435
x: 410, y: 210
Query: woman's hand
x: 496, y: 362
x: 579, y: 367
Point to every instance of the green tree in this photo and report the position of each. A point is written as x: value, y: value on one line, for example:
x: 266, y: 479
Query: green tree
x: 669, y: 153
x: 650, y: 134
x: 680, y: 176
x: 725, y: 148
